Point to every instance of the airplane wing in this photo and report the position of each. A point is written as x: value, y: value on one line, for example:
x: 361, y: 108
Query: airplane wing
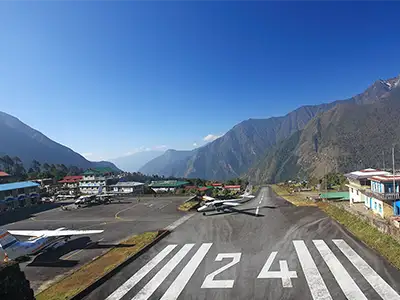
x: 231, y: 203
x: 48, y: 233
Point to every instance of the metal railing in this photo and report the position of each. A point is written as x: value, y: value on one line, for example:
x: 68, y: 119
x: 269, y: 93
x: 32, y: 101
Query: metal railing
x: 382, y: 196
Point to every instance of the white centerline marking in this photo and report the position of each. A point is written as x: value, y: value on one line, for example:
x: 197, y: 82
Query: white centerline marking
x: 156, y: 281
x: 131, y: 282
x: 258, y: 208
x: 176, y: 288
x: 380, y: 286
x: 179, y: 222
x: 346, y: 283
x: 317, y: 286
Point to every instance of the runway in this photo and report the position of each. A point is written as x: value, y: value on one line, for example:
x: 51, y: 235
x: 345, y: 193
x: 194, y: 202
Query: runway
x: 268, y: 249
x: 118, y: 219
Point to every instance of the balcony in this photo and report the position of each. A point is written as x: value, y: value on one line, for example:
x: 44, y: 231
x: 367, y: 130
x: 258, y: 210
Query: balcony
x: 382, y: 196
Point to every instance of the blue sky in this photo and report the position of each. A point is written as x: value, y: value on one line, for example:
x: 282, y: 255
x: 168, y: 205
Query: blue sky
x: 110, y: 78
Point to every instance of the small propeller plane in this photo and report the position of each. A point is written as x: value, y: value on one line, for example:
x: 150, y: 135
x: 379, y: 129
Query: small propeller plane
x: 40, y: 240
x: 223, y: 205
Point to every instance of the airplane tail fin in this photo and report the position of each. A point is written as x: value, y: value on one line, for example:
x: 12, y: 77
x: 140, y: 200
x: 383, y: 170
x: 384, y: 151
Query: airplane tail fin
x: 6, y: 239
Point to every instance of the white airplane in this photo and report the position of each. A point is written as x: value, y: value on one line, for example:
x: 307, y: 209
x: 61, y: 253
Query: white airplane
x: 40, y: 240
x: 223, y: 205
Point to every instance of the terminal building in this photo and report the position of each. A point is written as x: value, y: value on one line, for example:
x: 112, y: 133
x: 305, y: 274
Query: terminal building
x: 128, y: 187
x: 165, y: 186
x: 18, y: 194
x: 95, y: 180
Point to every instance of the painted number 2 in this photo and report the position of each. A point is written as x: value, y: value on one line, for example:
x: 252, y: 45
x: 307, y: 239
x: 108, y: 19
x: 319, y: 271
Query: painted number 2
x: 284, y: 272
x: 210, y: 283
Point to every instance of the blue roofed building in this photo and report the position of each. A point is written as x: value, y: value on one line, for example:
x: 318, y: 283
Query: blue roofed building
x: 18, y: 194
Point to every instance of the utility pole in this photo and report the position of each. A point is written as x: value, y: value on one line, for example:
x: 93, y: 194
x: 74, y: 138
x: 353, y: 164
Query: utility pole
x: 383, y: 156
x: 394, y: 172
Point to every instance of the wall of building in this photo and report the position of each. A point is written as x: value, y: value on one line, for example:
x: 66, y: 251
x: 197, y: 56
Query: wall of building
x: 355, y: 195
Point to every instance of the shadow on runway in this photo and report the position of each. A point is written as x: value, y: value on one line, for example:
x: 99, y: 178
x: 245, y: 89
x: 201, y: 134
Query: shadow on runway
x: 24, y: 213
x: 53, y: 257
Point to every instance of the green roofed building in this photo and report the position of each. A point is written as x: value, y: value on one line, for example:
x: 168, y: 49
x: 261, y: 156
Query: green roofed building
x: 167, y: 185
x: 95, y: 180
x: 335, y: 196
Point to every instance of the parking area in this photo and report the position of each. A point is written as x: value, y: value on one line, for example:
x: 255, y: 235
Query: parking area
x: 119, y: 220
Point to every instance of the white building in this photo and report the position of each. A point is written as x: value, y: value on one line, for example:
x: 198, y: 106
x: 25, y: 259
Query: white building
x: 130, y: 187
x: 359, y: 181
x: 95, y: 181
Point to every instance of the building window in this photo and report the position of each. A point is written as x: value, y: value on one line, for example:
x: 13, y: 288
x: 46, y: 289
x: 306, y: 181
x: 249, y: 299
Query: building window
x: 380, y: 208
x: 352, y: 190
x: 357, y: 192
x: 375, y: 206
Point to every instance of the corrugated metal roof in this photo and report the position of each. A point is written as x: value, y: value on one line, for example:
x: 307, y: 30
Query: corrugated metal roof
x: 336, y: 195
x: 17, y: 185
x: 4, y: 174
x: 127, y: 183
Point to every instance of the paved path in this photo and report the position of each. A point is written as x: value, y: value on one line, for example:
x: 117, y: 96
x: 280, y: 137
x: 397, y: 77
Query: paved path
x: 285, y: 252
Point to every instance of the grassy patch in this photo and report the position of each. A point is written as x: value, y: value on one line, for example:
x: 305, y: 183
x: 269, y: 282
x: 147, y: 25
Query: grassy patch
x: 71, y: 285
x: 255, y: 189
x: 383, y: 243
x: 296, y: 198
x: 188, y: 205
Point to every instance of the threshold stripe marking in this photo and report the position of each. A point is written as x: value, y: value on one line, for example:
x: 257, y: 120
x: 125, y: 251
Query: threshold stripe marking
x: 380, y: 286
x: 317, y: 286
x: 131, y: 282
x: 158, y: 279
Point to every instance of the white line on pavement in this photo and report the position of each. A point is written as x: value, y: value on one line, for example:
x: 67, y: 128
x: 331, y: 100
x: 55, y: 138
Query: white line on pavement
x: 346, y: 283
x: 380, y: 286
x: 183, y: 278
x: 317, y: 286
x: 257, y: 209
x: 179, y: 222
x: 156, y: 281
x: 131, y: 282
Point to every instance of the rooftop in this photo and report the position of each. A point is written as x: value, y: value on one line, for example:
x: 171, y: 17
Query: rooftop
x: 336, y: 195
x: 232, y: 186
x: 17, y: 185
x: 71, y: 179
x: 365, y: 173
x: 4, y: 174
x: 168, y: 183
x: 385, y: 178
x: 127, y: 184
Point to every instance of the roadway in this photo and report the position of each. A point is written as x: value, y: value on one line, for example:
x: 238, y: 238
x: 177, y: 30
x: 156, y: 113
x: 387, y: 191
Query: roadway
x: 283, y: 252
x: 118, y: 219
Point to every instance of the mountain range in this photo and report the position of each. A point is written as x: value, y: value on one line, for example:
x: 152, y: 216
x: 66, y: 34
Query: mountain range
x: 133, y: 162
x: 281, y: 147
x: 18, y: 139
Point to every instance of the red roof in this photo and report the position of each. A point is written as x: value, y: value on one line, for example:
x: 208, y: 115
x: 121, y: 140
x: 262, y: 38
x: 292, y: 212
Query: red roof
x: 203, y: 188
x: 385, y: 178
x: 189, y: 187
x: 71, y: 179
x: 216, y: 184
x: 4, y: 174
x: 232, y: 186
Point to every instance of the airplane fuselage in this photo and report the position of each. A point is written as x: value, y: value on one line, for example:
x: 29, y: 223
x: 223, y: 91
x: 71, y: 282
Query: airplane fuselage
x: 30, y: 247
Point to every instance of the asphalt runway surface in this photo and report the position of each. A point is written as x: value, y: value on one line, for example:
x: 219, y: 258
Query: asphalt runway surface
x: 118, y: 219
x: 277, y: 251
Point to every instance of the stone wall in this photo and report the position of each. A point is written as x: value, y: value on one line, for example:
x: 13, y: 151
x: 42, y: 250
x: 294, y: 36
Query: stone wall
x: 382, y: 225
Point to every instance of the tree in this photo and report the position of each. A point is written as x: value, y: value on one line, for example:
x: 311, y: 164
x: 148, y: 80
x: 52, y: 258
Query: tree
x: 35, y: 166
x: 8, y: 163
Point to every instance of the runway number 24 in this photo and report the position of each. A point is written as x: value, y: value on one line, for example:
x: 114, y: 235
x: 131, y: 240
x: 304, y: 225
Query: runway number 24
x: 283, y: 273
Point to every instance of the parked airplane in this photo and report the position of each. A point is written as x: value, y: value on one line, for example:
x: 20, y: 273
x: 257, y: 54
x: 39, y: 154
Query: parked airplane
x: 40, y: 240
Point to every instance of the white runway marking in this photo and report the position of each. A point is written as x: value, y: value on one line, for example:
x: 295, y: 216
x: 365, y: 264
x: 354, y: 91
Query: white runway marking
x: 284, y: 274
x: 131, y: 282
x: 176, y: 288
x: 257, y: 209
x: 317, y: 286
x: 179, y: 222
x: 380, y: 286
x: 156, y: 281
x: 346, y: 283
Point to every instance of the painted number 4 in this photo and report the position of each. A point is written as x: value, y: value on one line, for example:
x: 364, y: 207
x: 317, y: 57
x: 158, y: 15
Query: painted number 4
x: 284, y: 272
